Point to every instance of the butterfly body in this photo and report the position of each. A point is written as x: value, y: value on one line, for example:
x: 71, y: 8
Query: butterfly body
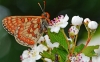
x: 26, y: 29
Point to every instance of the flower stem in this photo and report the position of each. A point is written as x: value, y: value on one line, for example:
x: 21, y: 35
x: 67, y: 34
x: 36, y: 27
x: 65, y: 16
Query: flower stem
x: 89, y: 33
x: 65, y: 38
x: 76, y: 39
x: 74, y: 44
x: 87, y: 42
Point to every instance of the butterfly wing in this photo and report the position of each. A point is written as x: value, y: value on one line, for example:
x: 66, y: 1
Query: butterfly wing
x: 12, y: 22
x: 26, y: 29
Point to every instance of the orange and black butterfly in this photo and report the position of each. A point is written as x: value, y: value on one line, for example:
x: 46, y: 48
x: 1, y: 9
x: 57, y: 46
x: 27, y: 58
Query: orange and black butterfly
x: 27, y: 29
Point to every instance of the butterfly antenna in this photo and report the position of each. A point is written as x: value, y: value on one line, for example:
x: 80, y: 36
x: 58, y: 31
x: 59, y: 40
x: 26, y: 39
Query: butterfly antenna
x: 40, y: 7
x: 44, y: 5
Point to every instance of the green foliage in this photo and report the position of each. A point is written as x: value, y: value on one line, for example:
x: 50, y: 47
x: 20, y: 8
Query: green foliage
x: 79, y: 48
x: 62, y: 53
x: 63, y: 48
x: 89, y: 50
x: 48, y: 55
x: 58, y: 37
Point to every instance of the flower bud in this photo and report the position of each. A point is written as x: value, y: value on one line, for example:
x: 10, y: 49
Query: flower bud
x: 86, y: 20
x: 73, y: 31
x: 76, y: 20
x: 93, y: 25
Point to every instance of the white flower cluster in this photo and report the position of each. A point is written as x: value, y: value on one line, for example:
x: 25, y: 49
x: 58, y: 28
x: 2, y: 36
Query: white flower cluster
x: 76, y: 21
x: 34, y: 54
x: 79, y: 58
x: 61, y: 22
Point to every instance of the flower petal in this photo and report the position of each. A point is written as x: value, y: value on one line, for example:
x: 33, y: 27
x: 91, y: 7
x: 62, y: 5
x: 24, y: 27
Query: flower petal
x: 26, y: 60
x: 66, y: 18
x: 38, y: 57
x: 49, y: 44
x: 64, y: 25
x: 31, y: 60
x: 42, y: 48
x: 41, y: 39
x: 25, y: 54
x: 85, y: 58
x: 47, y: 60
x: 56, y: 44
x: 55, y: 29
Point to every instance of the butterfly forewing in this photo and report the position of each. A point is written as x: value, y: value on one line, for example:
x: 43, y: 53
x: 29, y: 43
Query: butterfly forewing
x: 26, y: 29
x: 12, y: 22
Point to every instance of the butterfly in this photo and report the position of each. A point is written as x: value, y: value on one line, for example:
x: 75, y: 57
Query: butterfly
x: 27, y: 29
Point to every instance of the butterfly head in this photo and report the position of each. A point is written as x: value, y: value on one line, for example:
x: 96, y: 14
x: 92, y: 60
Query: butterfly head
x: 45, y: 15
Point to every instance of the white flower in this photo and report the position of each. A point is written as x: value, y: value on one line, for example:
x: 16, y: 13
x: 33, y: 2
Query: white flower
x: 79, y: 58
x: 76, y: 20
x: 73, y: 31
x: 47, y: 60
x: 33, y: 55
x: 30, y: 56
x: 93, y: 25
x: 49, y: 44
x: 59, y: 22
x: 86, y: 20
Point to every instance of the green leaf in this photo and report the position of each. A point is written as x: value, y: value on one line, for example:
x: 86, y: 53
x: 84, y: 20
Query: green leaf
x: 58, y: 37
x: 61, y: 52
x: 63, y: 55
x: 79, y: 48
x: 48, y: 55
x: 89, y: 50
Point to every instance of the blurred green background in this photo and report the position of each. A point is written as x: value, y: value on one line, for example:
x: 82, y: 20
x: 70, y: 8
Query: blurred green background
x: 10, y: 50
